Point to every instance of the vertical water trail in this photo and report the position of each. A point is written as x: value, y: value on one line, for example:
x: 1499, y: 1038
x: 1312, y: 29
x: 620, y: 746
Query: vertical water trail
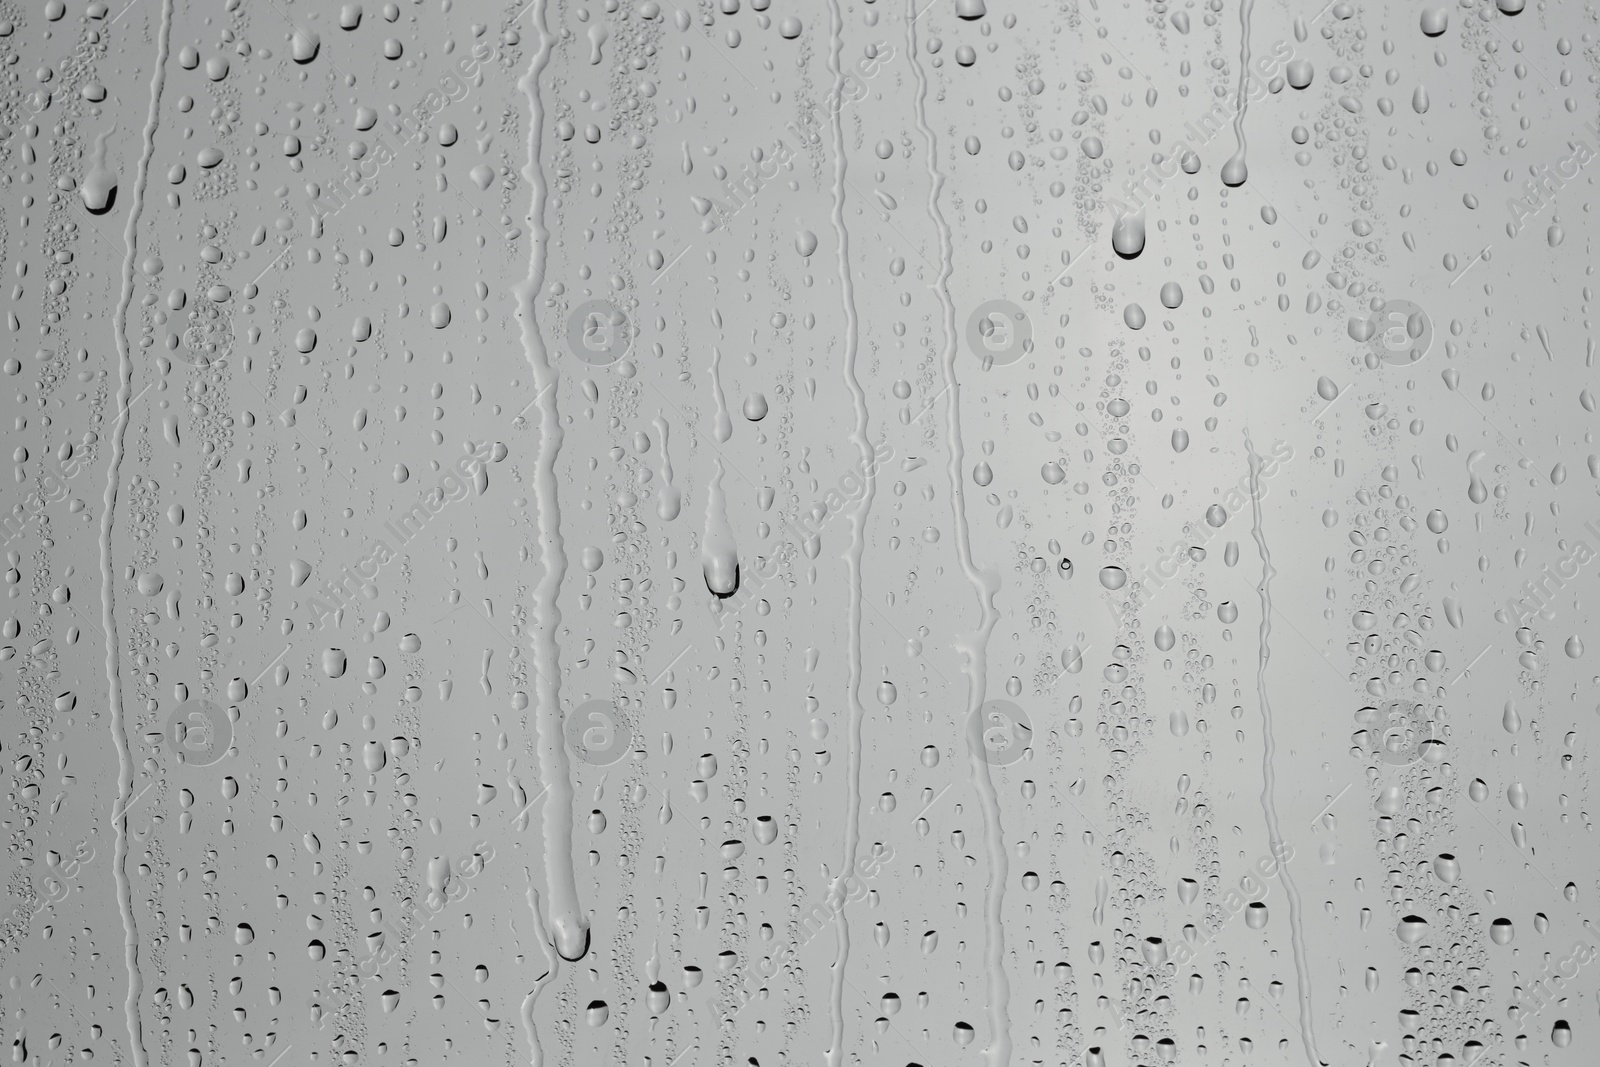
x: 722, y: 425
x: 719, y: 552
x: 858, y: 522
x: 985, y: 585
x: 1269, y: 808
x: 100, y: 183
x: 1234, y: 171
x: 670, y: 500
x: 552, y: 966
x: 108, y: 619
x: 568, y: 925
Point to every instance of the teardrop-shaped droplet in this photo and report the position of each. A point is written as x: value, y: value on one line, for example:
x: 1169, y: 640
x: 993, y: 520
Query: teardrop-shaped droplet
x: 1127, y: 234
x: 1411, y: 929
x: 1509, y: 719
x: 1234, y: 171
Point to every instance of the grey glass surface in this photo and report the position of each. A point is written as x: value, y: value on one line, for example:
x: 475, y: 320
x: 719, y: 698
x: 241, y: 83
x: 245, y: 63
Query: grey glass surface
x: 799, y: 532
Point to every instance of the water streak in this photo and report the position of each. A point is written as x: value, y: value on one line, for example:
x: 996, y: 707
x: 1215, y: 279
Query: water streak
x: 569, y: 925
x: 985, y: 585
x: 1269, y: 807
x: 119, y: 727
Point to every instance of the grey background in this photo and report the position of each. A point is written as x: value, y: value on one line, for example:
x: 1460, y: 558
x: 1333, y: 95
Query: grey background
x: 772, y: 657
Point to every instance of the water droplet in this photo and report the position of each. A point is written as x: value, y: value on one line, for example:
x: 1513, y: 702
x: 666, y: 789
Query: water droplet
x: 1510, y: 720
